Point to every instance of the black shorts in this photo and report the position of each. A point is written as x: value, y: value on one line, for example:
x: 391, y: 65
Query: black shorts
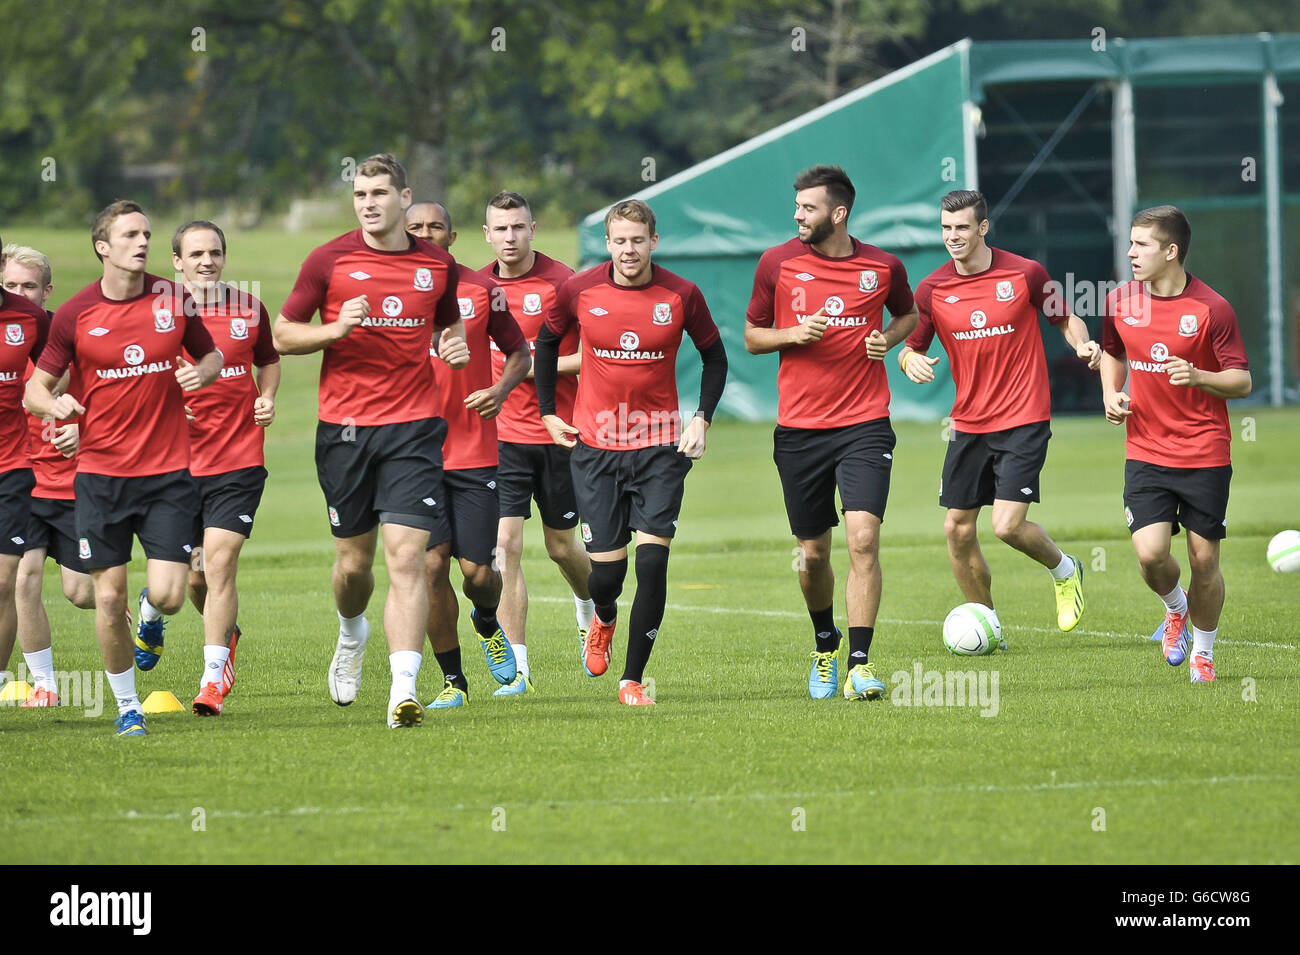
x: 538, y: 471
x: 813, y: 461
x: 1197, y: 498
x: 15, y: 510
x: 383, y: 474
x: 472, y: 506
x: 53, y: 528
x: 998, y: 465
x: 622, y: 491
x: 157, y: 508
x: 228, y: 501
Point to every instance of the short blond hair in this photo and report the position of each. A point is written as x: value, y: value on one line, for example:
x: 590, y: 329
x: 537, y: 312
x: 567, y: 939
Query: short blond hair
x: 28, y: 258
x: 384, y: 164
x: 633, y: 210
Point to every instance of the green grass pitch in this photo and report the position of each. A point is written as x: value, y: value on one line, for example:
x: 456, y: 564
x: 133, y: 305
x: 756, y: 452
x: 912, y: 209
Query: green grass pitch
x: 1098, y: 752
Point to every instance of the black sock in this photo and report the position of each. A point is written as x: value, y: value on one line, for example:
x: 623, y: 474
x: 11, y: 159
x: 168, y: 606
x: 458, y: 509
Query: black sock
x: 859, y: 644
x: 485, y: 620
x: 647, y: 608
x: 449, y: 660
x: 824, y: 629
x: 605, y: 584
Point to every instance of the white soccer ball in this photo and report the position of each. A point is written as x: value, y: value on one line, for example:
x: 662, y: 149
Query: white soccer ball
x: 972, y: 630
x: 1284, y: 552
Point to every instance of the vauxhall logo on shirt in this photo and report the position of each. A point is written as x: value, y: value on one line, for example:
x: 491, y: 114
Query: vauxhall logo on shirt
x: 833, y: 308
x: 630, y: 344
x: 980, y: 328
x: 135, y: 366
x: 1159, y: 355
x: 392, y: 306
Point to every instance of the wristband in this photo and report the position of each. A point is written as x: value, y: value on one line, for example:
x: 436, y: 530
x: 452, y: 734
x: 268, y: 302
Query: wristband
x: 902, y: 359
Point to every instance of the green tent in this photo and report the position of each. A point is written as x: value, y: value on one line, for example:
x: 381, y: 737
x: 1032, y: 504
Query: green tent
x: 1067, y: 139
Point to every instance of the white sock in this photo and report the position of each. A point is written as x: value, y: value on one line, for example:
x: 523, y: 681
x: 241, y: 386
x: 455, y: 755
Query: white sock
x: 354, y: 631
x: 1175, y: 600
x: 123, y: 687
x: 41, y: 663
x: 586, y: 610
x: 521, y: 658
x: 1064, y: 569
x: 148, y: 612
x: 214, y: 661
x: 1203, y: 641
x: 405, y: 665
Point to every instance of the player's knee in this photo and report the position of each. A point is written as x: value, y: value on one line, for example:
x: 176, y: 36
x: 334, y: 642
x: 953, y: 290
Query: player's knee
x: 29, y: 582
x: 560, y: 547
x: 1204, y: 565
x: 606, y: 581
x: 959, y: 532
x: 864, y: 543
x: 80, y: 594
x: 482, y: 584
x: 1007, y: 528
x: 651, y: 563
x: 814, y: 556
x: 169, y: 600
x: 219, y: 565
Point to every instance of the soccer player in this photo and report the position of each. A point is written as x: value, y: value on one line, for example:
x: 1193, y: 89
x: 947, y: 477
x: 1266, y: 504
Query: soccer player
x: 227, y: 430
x: 470, y: 402
x: 630, y: 451
x: 984, y: 307
x: 1184, y: 358
x: 53, y: 527
x: 818, y: 300
x: 126, y: 334
x: 381, y: 294
x: 26, y: 326
x: 532, y: 465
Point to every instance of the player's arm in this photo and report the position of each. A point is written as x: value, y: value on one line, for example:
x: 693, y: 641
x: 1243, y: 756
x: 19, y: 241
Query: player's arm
x: 912, y: 357
x: 1114, y: 400
x: 699, y: 324
x: 1229, y: 383
x: 301, y: 338
x: 451, y: 345
x: 45, y: 395
x: 900, y: 326
x: 509, y: 338
x: 42, y: 402
x: 268, y: 384
x: 198, y: 342
x: 760, y: 339
x: 546, y: 362
x: 1075, y: 332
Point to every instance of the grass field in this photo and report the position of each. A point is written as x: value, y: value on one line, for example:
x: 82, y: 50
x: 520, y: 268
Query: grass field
x: 1098, y: 751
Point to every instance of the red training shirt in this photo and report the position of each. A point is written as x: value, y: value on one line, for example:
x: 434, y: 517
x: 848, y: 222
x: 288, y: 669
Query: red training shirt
x: 627, y: 392
x: 472, y: 439
x: 829, y: 383
x: 54, y: 473
x: 531, y: 297
x: 1174, y: 426
x: 223, y: 435
x: 988, y: 325
x: 380, y: 373
x: 125, y: 352
x: 26, y: 326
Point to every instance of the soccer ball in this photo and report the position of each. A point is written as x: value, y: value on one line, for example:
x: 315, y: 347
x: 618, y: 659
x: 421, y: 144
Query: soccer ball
x: 972, y: 630
x: 1284, y: 552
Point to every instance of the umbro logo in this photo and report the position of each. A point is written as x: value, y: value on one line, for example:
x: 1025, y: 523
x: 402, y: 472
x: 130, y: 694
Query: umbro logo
x: 888, y: 456
x: 98, y: 330
x: 952, y: 298
x: 805, y: 277
x: 17, y: 540
x: 569, y: 514
x: 598, y: 311
x: 1025, y: 490
x: 430, y: 501
x: 359, y: 275
x: 188, y: 548
x: 492, y: 485
x: 246, y: 518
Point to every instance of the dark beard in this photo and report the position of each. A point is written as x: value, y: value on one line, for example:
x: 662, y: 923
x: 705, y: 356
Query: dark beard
x: 819, y: 233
